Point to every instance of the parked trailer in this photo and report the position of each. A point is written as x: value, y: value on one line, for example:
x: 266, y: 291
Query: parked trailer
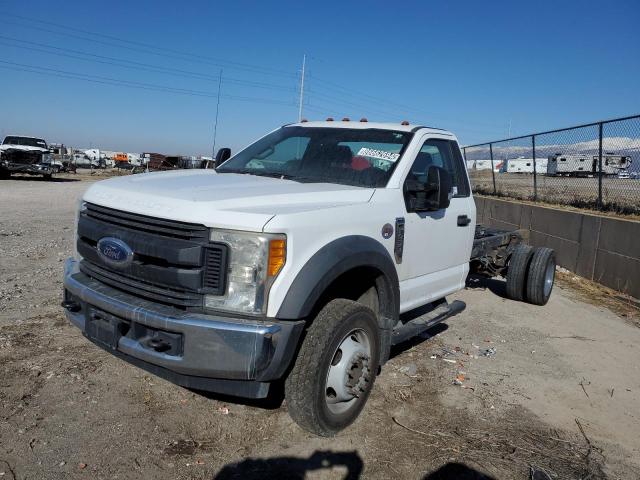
x: 585, y: 165
x: 484, y: 165
x: 525, y: 165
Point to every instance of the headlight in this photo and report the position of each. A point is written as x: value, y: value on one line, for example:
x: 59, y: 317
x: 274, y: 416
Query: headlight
x: 255, y: 260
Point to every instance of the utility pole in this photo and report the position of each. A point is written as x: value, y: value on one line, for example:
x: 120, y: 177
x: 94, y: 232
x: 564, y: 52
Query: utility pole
x: 304, y: 61
x: 215, y: 125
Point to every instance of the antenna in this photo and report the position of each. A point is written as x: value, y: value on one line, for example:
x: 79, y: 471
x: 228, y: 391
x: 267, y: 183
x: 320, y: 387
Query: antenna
x: 215, y: 125
x: 304, y: 61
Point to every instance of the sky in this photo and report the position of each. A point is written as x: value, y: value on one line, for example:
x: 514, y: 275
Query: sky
x: 143, y: 76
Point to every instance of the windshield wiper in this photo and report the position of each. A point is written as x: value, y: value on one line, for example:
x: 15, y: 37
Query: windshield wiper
x: 285, y: 176
x: 258, y: 173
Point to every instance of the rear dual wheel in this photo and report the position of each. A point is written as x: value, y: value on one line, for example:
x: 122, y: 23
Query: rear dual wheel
x: 531, y: 274
x: 541, y: 276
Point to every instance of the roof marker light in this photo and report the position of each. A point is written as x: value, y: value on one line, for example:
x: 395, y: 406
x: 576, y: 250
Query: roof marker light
x: 329, y: 119
x: 304, y: 120
x: 363, y: 119
x: 404, y: 122
x: 345, y: 119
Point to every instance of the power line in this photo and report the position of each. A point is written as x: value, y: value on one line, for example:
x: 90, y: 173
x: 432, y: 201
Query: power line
x: 354, y: 93
x: 102, y: 59
x: 131, y: 84
x: 201, y: 59
x: 362, y: 107
x: 179, y: 56
x: 149, y: 46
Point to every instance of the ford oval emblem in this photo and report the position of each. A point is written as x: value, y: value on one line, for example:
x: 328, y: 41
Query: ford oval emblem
x: 115, y: 252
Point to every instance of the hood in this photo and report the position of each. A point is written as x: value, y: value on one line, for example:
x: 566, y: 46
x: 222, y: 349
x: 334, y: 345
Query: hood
x: 225, y: 200
x: 22, y: 148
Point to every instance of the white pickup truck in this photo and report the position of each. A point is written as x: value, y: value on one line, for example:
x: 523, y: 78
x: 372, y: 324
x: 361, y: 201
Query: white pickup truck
x: 302, y: 259
x: 30, y: 155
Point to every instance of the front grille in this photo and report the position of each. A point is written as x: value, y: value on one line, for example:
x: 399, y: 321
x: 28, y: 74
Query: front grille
x: 174, y: 263
x: 181, y: 299
x: 144, y: 223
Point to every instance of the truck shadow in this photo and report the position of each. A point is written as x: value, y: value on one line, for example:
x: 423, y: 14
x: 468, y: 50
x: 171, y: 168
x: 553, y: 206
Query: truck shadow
x: 348, y: 462
x: 28, y: 178
x: 417, y: 340
x: 294, y: 468
x: 495, y: 286
x: 456, y: 471
x: 273, y: 401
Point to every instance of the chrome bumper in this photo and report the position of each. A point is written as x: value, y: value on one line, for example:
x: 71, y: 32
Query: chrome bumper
x: 187, y: 348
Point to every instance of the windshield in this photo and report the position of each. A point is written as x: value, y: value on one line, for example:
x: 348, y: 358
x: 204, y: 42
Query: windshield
x: 360, y: 157
x: 26, y: 141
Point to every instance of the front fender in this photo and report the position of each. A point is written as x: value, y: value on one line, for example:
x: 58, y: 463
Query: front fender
x: 331, y: 261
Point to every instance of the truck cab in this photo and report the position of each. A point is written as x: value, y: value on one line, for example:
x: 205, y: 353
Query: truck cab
x: 291, y: 262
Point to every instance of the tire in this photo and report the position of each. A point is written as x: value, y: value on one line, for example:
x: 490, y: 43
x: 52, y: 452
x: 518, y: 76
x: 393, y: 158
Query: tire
x: 311, y: 399
x: 48, y: 176
x: 517, y: 272
x: 541, y: 276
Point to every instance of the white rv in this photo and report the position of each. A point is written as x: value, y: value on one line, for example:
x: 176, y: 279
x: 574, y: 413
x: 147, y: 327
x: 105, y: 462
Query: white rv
x: 585, y: 164
x: 525, y: 165
x: 483, y: 165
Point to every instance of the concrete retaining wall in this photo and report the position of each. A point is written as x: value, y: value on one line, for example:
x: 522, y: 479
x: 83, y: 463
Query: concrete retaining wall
x: 600, y: 248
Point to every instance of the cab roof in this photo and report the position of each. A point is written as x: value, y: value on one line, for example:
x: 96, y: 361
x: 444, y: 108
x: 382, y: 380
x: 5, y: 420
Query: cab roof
x: 23, y: 136
x: 396, y: 126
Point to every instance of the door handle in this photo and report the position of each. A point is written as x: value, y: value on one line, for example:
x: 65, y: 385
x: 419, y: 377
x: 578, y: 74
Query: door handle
x: 463, y: 220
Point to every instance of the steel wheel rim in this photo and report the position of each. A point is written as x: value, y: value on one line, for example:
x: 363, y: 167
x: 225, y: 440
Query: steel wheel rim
x: 549, y: 275
x: 349, y: 374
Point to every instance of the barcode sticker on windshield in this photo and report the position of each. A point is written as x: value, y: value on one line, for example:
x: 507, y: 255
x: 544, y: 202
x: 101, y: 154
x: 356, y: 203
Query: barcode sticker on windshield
x: 381, y: 154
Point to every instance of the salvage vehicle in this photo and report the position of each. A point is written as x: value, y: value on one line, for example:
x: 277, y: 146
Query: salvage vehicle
x: 30, y: 155
x: 300, y: 260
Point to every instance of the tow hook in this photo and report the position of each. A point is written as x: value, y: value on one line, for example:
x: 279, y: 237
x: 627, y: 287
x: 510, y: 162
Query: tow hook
x: 158, y: 344
x: 71, y: 306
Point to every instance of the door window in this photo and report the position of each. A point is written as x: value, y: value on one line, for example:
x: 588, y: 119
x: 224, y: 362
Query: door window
x: 444, y: 154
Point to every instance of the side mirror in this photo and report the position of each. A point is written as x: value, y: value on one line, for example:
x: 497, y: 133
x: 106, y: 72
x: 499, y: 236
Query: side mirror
x: 430, y: 195
x: 222, y: 156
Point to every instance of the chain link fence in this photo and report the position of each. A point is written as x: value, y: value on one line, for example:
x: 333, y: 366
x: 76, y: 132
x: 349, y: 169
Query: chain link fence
x: 596, y: 165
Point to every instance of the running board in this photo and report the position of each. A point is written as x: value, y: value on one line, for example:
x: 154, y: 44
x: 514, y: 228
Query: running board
x: 426, y: 321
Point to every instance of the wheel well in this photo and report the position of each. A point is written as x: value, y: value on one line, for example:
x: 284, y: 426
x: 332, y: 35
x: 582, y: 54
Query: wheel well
x: 371, y: 287
x: 358, y: 284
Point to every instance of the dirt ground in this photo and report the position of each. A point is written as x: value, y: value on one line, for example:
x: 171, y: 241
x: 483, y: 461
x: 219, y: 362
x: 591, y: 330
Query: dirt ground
x: 554, y: 387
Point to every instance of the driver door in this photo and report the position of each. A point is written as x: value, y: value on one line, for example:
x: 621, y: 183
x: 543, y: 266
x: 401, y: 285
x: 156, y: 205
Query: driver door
x: 437, y: 244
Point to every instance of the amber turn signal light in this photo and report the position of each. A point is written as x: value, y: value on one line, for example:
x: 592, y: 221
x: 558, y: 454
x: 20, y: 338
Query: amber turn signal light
x: 277, y: 256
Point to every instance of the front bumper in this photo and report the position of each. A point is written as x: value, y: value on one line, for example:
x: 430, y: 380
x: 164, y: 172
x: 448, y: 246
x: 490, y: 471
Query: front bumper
x: 32, y: 168
x: 235, y: 356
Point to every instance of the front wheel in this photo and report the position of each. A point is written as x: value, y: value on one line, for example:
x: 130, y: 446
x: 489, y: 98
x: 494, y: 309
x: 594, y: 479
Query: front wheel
x: 335, y: 369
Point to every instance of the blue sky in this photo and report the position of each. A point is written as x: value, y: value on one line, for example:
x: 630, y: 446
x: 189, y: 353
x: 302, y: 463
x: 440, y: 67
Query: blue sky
x: 472, y: 67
